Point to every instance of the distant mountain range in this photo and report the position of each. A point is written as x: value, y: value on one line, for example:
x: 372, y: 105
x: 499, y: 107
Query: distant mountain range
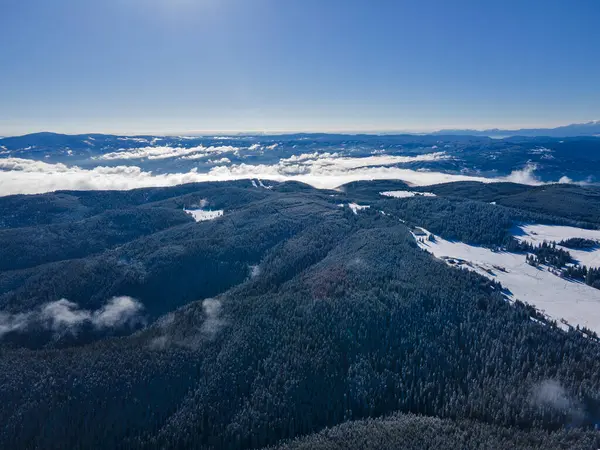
x: 591, y: 128
x: 576, y: 129
x: 452, y: 152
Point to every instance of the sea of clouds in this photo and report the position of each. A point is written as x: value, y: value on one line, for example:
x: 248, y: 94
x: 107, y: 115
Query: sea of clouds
x: 153, y: 153
x: 321, y: 170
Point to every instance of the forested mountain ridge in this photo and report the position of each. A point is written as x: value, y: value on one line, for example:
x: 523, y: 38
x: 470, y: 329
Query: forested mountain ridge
x: 579, y: 203
x: 287, y: 315
x: 409, y: 432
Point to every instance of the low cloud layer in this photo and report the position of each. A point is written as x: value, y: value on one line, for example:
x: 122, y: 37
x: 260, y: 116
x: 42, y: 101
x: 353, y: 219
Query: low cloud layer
x: 321, y: 170
x: 324, y: 160
x: 331, y: 171
x: 524, y: 176
x: 63, y: 316
x: 207, y: 326
x: 168, y: 152
x: 24, y: 176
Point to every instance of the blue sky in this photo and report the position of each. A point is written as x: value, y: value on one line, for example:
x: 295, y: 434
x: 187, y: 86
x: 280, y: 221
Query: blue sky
x: 169, y: 66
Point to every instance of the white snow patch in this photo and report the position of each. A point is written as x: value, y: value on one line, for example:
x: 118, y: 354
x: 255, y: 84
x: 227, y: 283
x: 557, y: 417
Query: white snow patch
x: 201, y: 215
x: 560, y: 299
x: 536, y: 234
x: 406, y: 194
x: 263, y: 186
x: 356, y: 207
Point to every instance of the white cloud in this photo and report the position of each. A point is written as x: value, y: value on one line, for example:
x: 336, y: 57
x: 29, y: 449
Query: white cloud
x: 118, y: 312
x: 63, y: 314
x: 195, y: 156
x: 331, y: 176
x: 260, y: 147
x: 324, y: 160
x: 66, y: 316
x: 170, y: 334
x: 325, y: 170
x: 213, y: 322
x: 23, y: 176
x: 549, y: 394
x: 211, y: 151
x: 134, y: 139
x: 254, y: 271
x: 565, y: 180
x: 168, y: 152
x: 13, y: 322
x: 524, y: 176
x: 220, y: 161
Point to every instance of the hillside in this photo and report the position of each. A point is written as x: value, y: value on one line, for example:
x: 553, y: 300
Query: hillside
x: 409, y: 432
x: 296, y: 310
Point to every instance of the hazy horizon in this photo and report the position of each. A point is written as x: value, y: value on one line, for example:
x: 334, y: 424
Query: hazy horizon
x: 200, y: 133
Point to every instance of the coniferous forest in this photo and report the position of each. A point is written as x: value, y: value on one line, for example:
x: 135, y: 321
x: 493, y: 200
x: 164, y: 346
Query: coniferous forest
x: 290, y: 322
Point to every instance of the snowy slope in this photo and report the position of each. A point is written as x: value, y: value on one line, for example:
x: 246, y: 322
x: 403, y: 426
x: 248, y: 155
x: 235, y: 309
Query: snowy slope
x: 536, y: 234
x: 355, y: 207
x: 576, y: 303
